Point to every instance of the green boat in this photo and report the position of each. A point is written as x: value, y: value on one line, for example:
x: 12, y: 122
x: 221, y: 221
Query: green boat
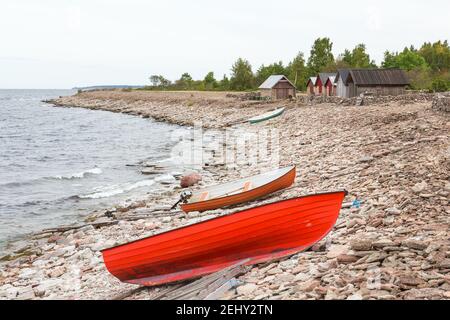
x: 267, y: 116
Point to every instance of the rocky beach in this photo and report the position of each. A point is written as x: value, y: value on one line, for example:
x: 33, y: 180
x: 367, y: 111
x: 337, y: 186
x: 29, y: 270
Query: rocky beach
x: 391, y: 153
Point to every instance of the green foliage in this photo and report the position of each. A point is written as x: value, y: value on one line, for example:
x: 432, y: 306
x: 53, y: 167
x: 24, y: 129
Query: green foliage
x: 224, y: 84
x: 296, y: 71
x: 407, y: 60
x: 209, y: 81
x: 266, y: 71
x: 160, y: 82
x: 437, y: 55
x: 440, y: 85
x: 427, y: 68
x: 359, y: 58
x: 321, y: 56
x: 241, y: 75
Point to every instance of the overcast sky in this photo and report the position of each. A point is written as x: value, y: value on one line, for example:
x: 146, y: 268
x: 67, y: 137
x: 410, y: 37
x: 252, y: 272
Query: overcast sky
x: 67, y: 43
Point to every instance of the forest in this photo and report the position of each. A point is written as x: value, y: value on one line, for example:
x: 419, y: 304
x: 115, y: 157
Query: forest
x: 427, y: 68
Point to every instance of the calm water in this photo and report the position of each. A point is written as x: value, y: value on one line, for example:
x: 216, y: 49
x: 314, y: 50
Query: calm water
x: 57, y: 164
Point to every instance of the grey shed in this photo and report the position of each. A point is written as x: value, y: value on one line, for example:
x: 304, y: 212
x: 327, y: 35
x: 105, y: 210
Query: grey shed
x: 277, y: 87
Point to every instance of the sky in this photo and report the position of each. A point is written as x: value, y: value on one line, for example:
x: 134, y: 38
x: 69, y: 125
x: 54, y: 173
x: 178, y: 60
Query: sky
x: 68, y: 43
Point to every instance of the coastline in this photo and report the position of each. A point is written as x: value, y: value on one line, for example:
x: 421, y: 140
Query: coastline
x: 390, y: 155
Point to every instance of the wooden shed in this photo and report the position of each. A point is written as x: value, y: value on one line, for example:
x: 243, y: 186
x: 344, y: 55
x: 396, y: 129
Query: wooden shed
x: 381, y: 82
x: 311, y: 86
x: 277, y: 87
x: 330, y: 86
x: 321, y: 81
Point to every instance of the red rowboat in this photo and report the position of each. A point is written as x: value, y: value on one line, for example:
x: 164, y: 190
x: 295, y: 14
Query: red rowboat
x: 239, y: 191
x: 256, y: 235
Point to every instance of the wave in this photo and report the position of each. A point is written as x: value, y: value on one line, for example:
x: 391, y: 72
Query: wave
x: 79, y: 175
x: 109, y: 191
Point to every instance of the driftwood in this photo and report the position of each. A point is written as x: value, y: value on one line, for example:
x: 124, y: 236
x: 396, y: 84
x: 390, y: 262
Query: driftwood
x: 76, y: 227
x: 206, y: 286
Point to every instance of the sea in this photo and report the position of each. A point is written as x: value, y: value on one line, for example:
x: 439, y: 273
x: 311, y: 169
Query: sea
x: 59, y: 164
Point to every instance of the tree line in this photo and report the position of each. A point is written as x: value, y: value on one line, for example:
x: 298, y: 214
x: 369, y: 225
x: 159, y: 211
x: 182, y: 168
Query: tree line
x: 427, y: 68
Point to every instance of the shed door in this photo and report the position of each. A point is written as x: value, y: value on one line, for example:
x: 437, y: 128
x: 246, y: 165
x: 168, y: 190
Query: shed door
x: 282, y: 93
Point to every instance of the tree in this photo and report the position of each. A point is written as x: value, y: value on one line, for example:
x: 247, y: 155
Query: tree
x: 437, y: 55
x: 185, y: 82
x: 360, y: 58
x: 409, y: 59
x: 241, y: 75
x: 163, y: 82
x: 321, y: 56
x: 209, y: 81
x: 266, y: 71
x: 154, y: 79
x: 296, y: 71
x: 224, y: 84
x: 357, y: 58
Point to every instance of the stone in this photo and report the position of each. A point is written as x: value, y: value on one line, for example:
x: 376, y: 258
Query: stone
x: 57, y: 272
x: 355, y: 296
x: 346, y: 259
x: 25, y: 293
x: 190, y: 180
x: 393, y: 211
x: 420, y: 187
x: 415, y: 244
x: 27, y: 273
x: 445, y: 264
x: 246, y: 289
x: 361, y: 245
x: 336, y: 250
x: 307, y: 286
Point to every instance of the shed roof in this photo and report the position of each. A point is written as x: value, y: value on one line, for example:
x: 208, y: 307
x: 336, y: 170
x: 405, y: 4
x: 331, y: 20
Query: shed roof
x: 273, y: 80
x: 342, y: 73
x: 332, y: 79
x: 325, y: 75
x: 312, y: 80
x: 378, y: 77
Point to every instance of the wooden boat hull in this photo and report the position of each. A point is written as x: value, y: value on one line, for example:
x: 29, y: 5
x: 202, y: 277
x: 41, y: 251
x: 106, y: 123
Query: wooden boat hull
x: 255, y: 235
x: 282, y: 182
x: 267, y: 116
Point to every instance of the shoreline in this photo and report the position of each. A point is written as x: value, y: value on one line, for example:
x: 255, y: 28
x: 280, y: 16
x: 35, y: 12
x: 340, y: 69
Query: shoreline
x: 390, y: 155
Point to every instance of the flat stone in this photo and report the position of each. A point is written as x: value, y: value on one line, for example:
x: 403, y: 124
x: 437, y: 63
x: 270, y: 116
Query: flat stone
x: 415, y: 244
x: 337, y: 250
x: 246, y: 289
x: 346, y: 259
x: 361, y: 245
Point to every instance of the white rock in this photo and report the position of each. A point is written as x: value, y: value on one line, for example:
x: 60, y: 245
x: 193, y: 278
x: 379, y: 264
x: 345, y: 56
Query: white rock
x: 246, y: 288
x: 27, y: 273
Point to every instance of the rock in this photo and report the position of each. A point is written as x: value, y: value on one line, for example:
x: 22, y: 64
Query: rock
x: 445, y: 264
x: 307, y: 286
x: 190, y: 180
x: 27, y: 273
x: 380, y: 244
x: 288, y: 264
x: 25, y: 293
x: 45, y: 286
x: 393, y: 211
x: 246, y: 289
x: 378, y: 256
x: 415, y: 244
x: 355, y: 296
x: 419, y: 187
x: 337, y: 250
x: 346, y: 259
x: 56, y: 272
x: 424, y: 293
x: 361, y: 245
x: 286, y: 277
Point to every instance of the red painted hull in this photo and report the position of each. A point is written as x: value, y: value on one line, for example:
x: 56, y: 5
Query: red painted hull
x: 256, y: 235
